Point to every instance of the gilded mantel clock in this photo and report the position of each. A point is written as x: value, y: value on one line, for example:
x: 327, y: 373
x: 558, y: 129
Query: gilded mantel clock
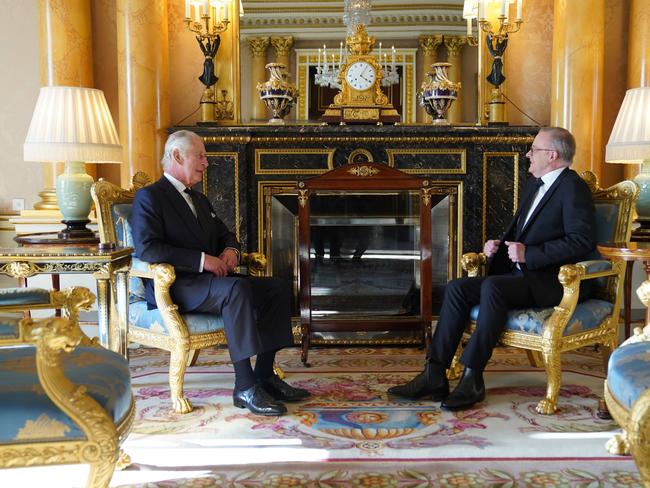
x: 360, y: 100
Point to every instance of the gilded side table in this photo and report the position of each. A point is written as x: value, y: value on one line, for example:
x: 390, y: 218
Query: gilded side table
x: 109, y: 268
x: 630, y: 252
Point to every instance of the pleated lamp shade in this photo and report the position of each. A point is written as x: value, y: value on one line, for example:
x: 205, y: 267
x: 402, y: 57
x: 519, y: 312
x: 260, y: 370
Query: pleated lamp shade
x: 72, y: 124
x: 629, y: 141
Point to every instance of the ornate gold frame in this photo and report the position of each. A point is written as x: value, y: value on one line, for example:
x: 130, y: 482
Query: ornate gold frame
x: 291, y: 171
x: 444, y: 171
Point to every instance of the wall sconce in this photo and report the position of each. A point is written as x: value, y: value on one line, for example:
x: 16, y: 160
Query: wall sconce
x: 493, y: 17
x: 207, y: 19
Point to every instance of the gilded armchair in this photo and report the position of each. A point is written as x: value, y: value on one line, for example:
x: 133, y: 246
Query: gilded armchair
x: 545, y: 333
x: 165, y: 327
x: 63, y: 399
x: 627, y: 394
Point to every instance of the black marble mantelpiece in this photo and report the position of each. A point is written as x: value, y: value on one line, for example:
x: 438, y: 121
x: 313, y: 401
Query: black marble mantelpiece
x: 487, y: 163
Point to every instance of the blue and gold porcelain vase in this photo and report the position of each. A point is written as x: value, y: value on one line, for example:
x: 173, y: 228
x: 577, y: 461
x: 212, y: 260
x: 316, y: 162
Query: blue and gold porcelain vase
x: 278, y: 94
x: 438, y: 93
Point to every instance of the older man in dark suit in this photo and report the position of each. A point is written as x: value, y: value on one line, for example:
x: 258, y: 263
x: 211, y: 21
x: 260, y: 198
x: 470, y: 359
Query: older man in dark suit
x: 554, y: 225
x: 174, y: 224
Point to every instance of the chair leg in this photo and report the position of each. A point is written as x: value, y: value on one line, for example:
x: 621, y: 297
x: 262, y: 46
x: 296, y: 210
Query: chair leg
x: 101, y: 472
x: 177, y: 365
x: 455, y: 369
x: 534, y: 358
x: 552, y: 364
x: 193, y: 356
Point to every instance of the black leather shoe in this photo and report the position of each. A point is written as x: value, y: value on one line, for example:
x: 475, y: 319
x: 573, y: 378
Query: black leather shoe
x: 257, y: 401
x: 434, y: 384
x: 470, y: 390
x: 283, y: 391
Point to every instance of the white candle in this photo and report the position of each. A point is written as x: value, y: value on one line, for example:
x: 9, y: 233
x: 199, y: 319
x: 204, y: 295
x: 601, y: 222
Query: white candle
x: 504, y: 7
x: 325, y: 57
x: 481, y: 9
x: 206, y: 6
x: 225, y: 11
x: 519, y: 2
x: 380, y: 52
x: 188, y: 9
x: 469, y: 27
x: 392, y: 56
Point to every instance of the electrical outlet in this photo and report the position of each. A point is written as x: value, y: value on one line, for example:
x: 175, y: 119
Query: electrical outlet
x: 18, y: 204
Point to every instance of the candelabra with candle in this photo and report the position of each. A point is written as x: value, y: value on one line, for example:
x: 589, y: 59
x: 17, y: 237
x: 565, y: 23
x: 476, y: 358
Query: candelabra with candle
x: 493, y: 17
x: 207, y: 19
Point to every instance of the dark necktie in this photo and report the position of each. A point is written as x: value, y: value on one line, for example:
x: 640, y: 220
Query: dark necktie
x: 195, y: 201
x: 525, y: 207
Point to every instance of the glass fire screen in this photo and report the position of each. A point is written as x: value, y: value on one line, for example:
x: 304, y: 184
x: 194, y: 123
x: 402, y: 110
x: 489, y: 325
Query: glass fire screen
x: 364, y: 252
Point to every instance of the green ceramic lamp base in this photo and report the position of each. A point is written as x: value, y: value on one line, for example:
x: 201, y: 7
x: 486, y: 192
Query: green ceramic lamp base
x: 73, y: 197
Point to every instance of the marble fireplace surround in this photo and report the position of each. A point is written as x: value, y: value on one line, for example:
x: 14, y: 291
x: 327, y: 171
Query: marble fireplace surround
x: 487, y: 164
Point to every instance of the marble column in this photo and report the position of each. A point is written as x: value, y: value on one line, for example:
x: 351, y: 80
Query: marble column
x: 454, y: 44
x: 258, y: 46
x: 143, y: 84
x: 66, y: 60
x: 429, y: 49
x: 638, y: 56
x: 577, y: 77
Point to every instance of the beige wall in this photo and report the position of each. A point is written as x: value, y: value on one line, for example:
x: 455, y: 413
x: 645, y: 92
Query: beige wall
x: 19, y: 85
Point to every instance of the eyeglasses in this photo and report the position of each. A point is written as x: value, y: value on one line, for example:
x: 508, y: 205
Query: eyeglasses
x: 533, y: 149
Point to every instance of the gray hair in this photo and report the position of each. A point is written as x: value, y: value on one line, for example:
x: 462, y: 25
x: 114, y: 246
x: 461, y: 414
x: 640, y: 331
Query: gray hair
x: 563, y: 142
x: 181, y: 140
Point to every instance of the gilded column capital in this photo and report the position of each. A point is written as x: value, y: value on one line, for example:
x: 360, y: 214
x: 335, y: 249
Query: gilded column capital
x: 429, y: 44
x: 453, y: 44
x: 258, y: 46
x: 282, y: 44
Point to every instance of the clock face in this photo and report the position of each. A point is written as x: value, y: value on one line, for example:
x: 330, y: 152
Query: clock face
x: 361, y: 75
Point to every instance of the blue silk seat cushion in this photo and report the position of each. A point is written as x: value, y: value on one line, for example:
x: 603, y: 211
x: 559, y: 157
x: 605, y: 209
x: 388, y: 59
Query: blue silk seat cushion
x: 197, y: 323
x: 27, y: 413
x: 587, y: 315
x: 23, y: 296
x: 628, y: 372
x: 9, y: 326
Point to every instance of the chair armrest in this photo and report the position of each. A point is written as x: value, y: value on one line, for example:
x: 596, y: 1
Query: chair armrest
x: 255, y: 262
x: 473, y: 263
x: 141, y: 269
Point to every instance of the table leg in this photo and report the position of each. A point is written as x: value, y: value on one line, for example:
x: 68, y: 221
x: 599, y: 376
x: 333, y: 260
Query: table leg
x: 119, y: 319
x: 627, y: 297
x: 103, y: 310
x: 646, y: 267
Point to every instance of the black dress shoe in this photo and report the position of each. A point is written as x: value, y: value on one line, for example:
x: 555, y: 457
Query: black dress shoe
x: 257, y: 401
x: 470, y: 390
x: 432, y: 383
x: 283, y: 391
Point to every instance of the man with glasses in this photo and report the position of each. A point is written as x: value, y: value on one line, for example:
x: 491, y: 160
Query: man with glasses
x: 554, y: 225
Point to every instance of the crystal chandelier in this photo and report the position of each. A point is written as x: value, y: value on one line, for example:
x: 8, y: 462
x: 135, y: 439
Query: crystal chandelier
x: 327, y: 71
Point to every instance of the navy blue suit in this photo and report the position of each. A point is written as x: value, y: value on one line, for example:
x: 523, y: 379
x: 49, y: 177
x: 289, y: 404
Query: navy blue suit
x: 561, y: 230
x: 256, y: 311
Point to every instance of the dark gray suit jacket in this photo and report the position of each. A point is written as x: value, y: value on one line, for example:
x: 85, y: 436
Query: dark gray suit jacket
x: 165, y: 230
x: 561, y: 230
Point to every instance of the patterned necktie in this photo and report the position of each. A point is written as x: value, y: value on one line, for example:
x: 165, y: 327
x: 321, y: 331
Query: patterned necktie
x: 525, y: 208
x: 195, y: 201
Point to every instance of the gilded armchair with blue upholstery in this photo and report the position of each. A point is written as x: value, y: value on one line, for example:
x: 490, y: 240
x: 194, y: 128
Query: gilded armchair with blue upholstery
x: 545, y: 333
x: 627, y: 394
x: 165, y: 327
x: 63, y: 398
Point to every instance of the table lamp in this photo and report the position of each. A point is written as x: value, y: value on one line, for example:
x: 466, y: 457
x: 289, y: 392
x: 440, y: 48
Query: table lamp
x: 629, y: 143
x: 72, y: 125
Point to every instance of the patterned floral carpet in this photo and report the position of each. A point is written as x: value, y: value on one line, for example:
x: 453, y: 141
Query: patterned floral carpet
x: 349, y: 433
